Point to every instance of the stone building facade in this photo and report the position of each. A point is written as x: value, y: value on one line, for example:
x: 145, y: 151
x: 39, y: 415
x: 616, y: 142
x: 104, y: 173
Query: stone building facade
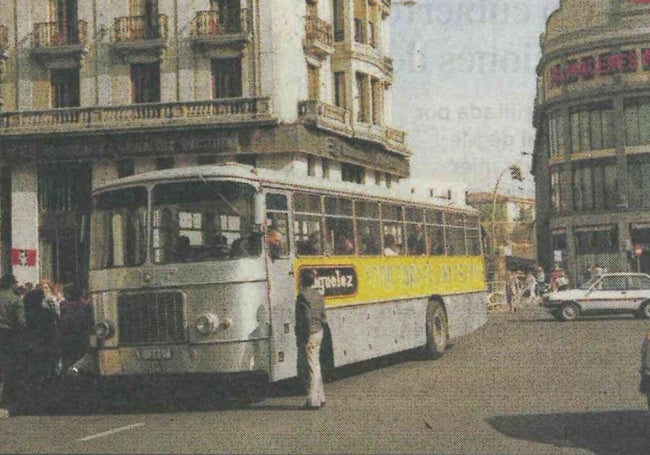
x: 592, y: 151
x: 94, y: 90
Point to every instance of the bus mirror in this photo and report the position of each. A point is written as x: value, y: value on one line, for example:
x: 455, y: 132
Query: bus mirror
x: 260, y: 209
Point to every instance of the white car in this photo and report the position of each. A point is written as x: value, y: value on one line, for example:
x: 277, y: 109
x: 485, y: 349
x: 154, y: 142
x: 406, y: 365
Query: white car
x: 608, y: 293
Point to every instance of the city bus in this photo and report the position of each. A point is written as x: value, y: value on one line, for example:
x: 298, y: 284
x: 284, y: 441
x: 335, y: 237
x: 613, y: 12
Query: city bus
x: 195, y: 271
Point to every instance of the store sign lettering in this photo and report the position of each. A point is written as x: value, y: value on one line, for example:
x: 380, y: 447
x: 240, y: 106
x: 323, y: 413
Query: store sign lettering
x: 607, y: 64
x: 335, y: 281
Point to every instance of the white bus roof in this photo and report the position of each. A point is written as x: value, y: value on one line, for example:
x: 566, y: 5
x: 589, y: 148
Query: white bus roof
x: 266, y: 177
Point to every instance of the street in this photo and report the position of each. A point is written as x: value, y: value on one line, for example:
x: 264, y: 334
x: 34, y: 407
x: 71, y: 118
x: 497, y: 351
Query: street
x: 525, y: 384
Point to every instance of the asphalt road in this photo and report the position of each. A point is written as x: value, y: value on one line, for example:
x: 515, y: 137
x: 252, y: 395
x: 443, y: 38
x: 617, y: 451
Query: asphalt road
x: 525, y: 384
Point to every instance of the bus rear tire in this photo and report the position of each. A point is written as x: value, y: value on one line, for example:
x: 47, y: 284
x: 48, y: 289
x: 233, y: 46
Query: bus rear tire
x: 436, y: 331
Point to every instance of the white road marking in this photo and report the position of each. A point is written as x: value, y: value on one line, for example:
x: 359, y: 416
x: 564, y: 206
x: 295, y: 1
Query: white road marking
x: 114, y: 430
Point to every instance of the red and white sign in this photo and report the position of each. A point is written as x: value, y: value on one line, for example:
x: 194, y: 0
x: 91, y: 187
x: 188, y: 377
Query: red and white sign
x: 23, y: 257
x: 638, y: 250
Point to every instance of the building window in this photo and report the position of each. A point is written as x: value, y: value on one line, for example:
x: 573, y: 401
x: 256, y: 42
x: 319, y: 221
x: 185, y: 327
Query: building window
x: 229, y: 13
x: 65, y: 87
x: 165, y: 163
x: 145, y: 83
x: 325, y: 163
x: 226, y: 78
x: 377, y: 178
x: 376, y: 92
x: 64, y: 14
x: 638, y: 172
x: 592, y: 129
x: 554, y: 137
x: 594, y: 187
x: 372, y: 39
x: 637, y: 122
x: 359, y: 31
x: 338, y: 12
x: 206, y: 159
x: 148, y: 11
x: 339, y: 89
x: 313, y: 82
x: 352, y: 173
x: 362, y: 98
x: 311, y: 165
x: 249, y: 160
x: 556, y: 201
x: 389, y: 181
x: 125, y: 168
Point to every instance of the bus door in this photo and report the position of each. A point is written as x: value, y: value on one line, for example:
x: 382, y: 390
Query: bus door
x: 282, y: 288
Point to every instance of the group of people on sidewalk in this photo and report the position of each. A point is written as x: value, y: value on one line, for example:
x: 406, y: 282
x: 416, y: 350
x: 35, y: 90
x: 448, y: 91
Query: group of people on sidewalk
x: 524, y: 289
x: 43, y: 332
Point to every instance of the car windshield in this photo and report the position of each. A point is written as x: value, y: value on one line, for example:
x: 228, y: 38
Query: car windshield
x: 203, y: 221
x: 590, y: 283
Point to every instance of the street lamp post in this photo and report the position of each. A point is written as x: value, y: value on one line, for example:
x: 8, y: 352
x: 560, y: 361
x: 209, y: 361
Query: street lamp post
x: 515, y: 174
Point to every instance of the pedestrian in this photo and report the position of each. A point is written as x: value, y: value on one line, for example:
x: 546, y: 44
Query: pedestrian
x: 310, y: 320
x: 540, y: 278
x: 644, y: 386
x: 598, y: 270
x: 43, y: 336
x: 12, y: 324
x: 530, y: 287
x: 76, y: 322
x: 512, y: 291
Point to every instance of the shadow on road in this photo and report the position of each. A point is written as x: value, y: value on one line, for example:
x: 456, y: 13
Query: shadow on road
x: 84, y: 396
x: 609, y: 432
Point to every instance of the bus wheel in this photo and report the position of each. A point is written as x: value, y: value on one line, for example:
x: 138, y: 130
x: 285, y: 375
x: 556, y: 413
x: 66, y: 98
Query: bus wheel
x: 437, y: 334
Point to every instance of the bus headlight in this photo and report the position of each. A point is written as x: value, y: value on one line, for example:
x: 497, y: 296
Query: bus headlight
x: 104, y: 330
x: 207, y: 324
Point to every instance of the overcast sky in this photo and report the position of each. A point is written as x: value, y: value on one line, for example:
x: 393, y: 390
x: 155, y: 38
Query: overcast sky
x: 464, y: 87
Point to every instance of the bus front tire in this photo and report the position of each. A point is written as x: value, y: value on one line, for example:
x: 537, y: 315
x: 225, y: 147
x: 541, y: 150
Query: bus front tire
x: 436, y: 331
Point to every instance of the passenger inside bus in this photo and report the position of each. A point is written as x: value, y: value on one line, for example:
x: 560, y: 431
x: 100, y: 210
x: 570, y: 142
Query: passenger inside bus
x: 390, y: 246
x: 311, y: 246
x: 274, y: 242
x: 344, y: 245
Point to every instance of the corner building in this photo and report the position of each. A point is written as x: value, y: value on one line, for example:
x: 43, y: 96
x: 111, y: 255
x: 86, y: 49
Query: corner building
x: 592, y: 151
x: 94, y: 90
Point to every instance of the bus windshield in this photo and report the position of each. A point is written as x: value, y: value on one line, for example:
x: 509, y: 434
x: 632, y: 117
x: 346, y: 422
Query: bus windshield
x: 118, y: 228
x: 203, y: 221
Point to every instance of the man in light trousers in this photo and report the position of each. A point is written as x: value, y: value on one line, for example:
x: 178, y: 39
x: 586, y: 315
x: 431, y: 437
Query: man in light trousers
x: 310, y: 318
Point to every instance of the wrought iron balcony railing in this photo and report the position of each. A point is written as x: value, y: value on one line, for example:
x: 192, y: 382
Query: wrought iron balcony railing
x: 212, y: 23
x: 138, y: 28
x: 52, y: 34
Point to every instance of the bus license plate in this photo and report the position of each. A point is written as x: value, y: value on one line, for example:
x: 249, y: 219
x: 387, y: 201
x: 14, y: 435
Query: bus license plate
x: 156, y: 354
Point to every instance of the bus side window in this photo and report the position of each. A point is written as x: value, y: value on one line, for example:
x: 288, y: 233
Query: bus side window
x: 339, y: 226
x: 392, y: 229
x: 307, y: 224
x: 368, y: 228
x: 277, y: 225
x: 435, y: 232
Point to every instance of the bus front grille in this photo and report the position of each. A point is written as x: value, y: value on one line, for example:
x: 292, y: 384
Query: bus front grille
x: 154, y: 317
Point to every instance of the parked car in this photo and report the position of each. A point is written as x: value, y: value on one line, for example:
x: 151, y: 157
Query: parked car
x: 608, y: 293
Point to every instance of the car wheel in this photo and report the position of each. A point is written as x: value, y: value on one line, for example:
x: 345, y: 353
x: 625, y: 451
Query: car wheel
x: 644, y: 310
x: 569, y: 311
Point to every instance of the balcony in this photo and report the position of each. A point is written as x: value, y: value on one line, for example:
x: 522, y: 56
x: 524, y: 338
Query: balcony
x: 58, y: 45
x: 319, y: 37
x: 137, y: 116
x: 339, y: 120
x: 141, y: 38
x: 210, y: 31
